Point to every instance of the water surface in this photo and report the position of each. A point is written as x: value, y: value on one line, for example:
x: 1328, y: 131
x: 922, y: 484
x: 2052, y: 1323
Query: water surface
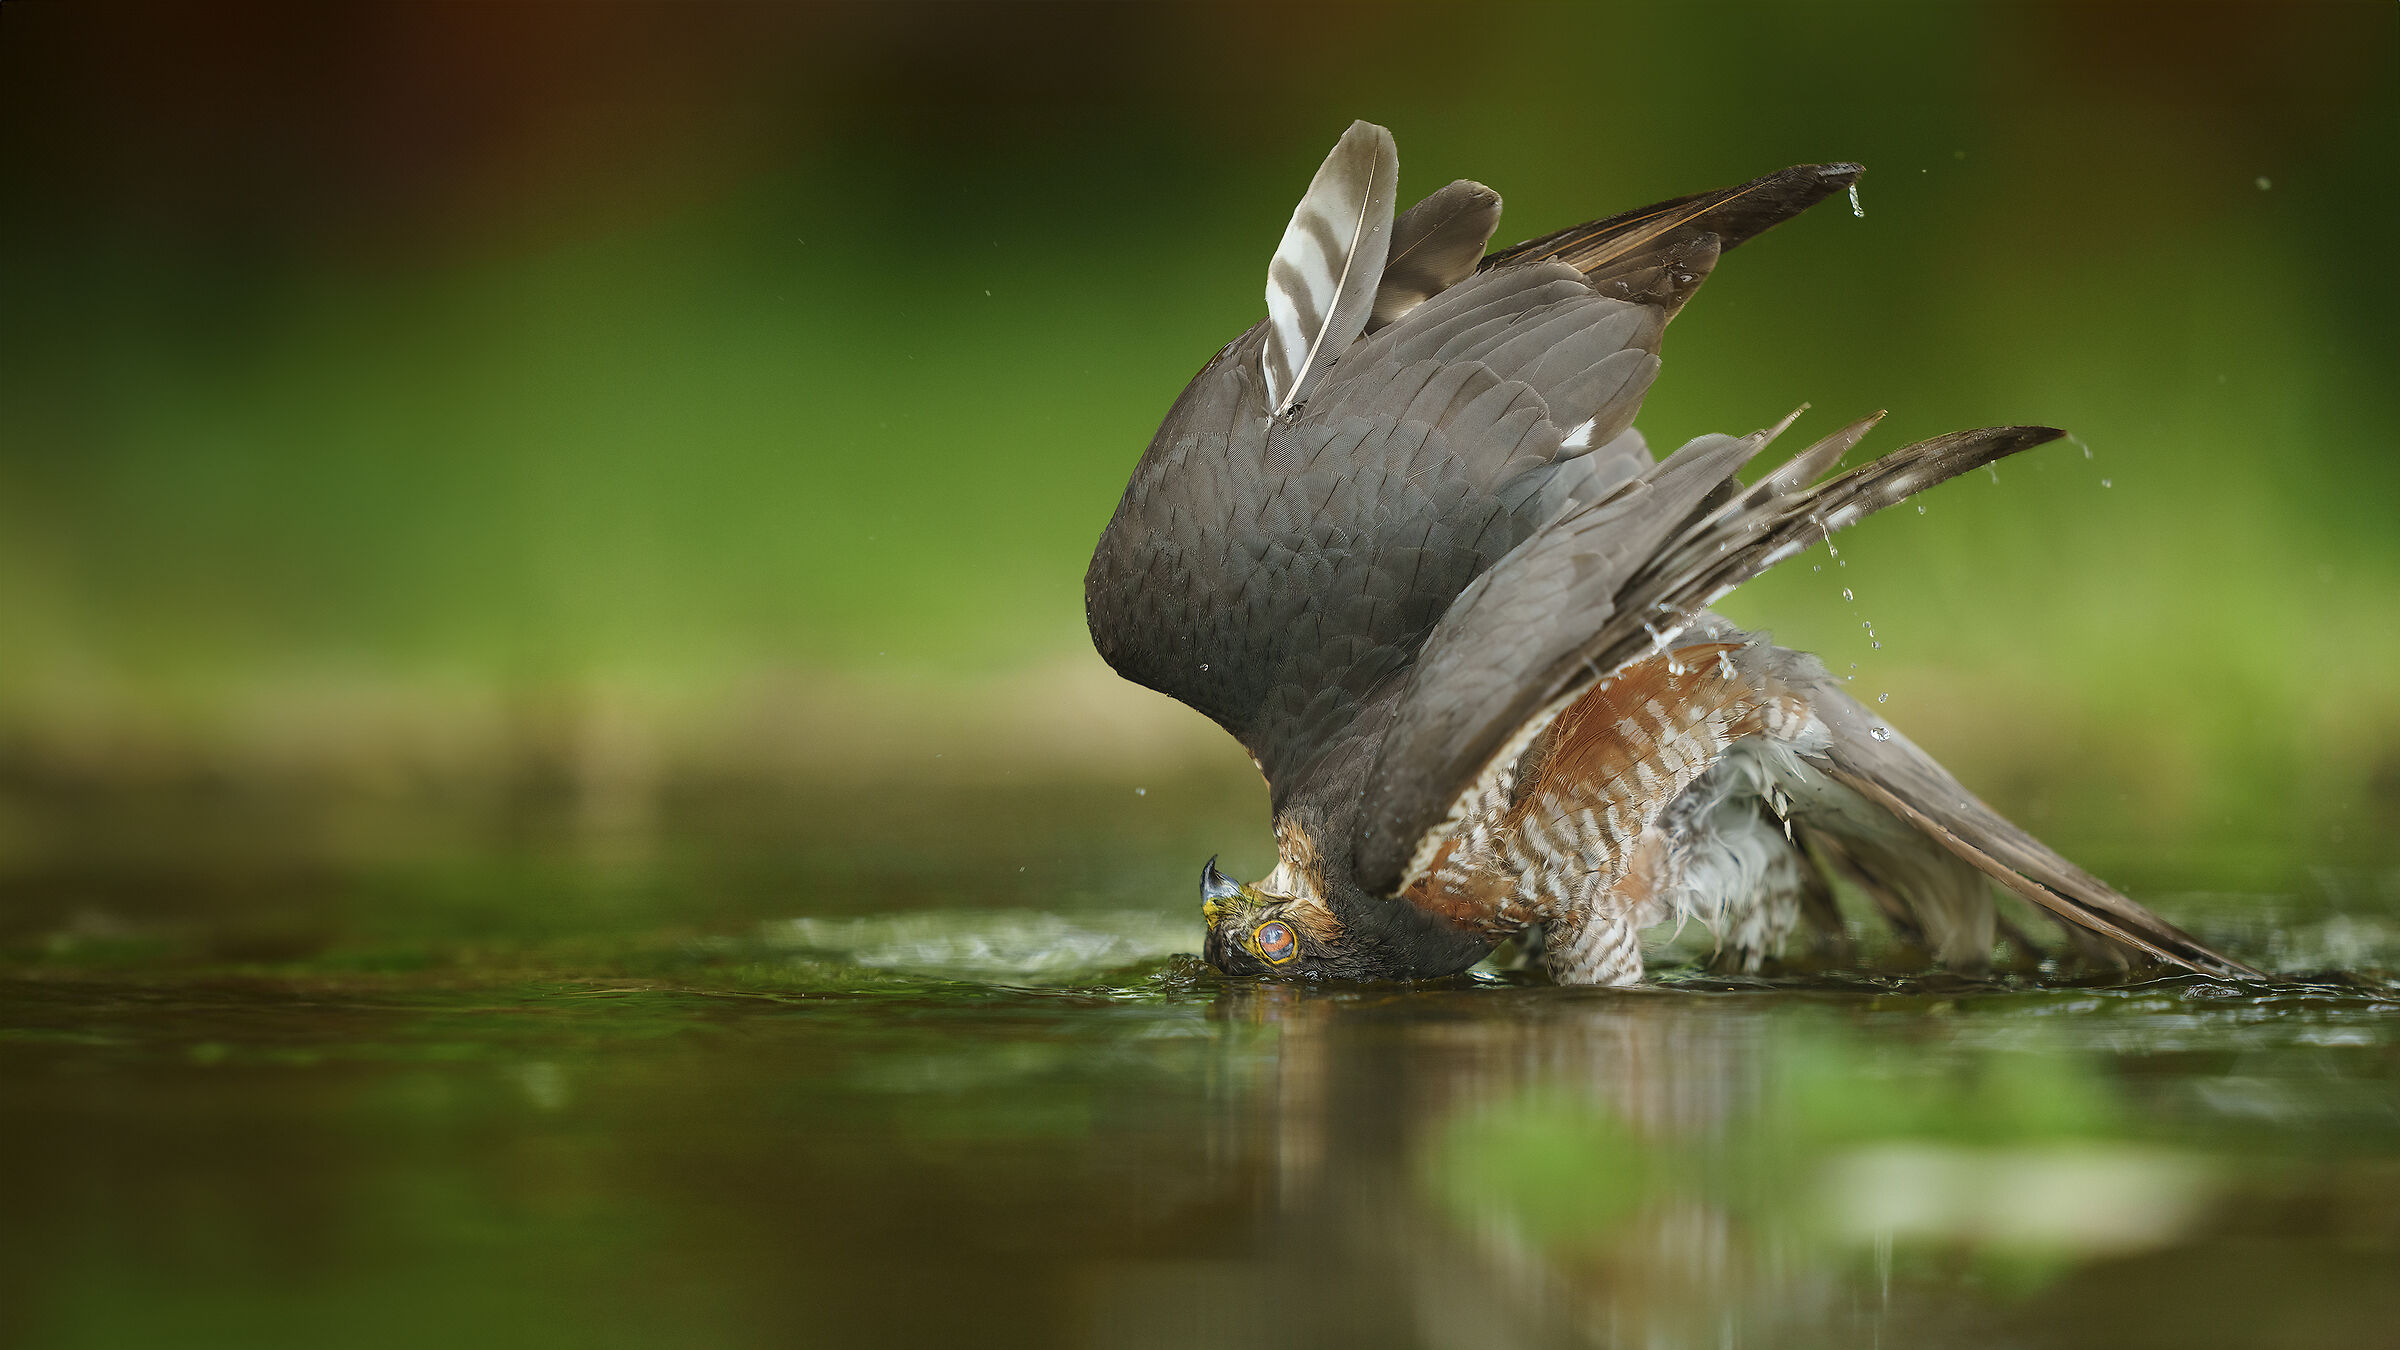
x: 768, y: 1083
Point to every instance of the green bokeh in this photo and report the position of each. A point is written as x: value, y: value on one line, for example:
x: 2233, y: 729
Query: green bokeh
x: 549, y: 408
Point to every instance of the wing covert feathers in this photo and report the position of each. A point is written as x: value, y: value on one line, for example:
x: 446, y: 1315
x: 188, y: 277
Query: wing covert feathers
x: 1322, y: 283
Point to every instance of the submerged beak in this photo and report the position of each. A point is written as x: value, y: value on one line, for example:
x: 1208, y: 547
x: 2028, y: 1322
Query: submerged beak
x: 1215, y: 886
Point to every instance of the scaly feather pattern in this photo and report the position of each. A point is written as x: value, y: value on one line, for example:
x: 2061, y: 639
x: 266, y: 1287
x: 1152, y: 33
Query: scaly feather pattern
x: 1321, y: 285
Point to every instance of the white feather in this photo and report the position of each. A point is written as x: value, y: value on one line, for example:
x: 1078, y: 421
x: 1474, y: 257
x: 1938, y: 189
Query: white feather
x: 1321, y: 283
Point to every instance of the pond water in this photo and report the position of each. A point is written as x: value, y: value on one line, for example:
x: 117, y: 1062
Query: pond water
x: 275, y: 1077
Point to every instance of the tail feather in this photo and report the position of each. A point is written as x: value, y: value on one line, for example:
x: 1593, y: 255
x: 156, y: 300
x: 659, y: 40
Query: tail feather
x: 1888, y: 770
x: 1915, y: 789
x: 1930, y: 898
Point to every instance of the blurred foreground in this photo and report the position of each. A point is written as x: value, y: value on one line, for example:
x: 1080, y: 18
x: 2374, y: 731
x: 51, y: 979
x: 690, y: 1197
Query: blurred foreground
x: 810, y: 1071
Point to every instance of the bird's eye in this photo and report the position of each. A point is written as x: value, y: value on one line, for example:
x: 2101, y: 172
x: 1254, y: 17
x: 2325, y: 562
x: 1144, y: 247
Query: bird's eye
x: 1275, y: 942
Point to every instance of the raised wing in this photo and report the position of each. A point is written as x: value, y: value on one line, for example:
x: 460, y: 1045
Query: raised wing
x: 1593, y: 590
x: 1279, y: 571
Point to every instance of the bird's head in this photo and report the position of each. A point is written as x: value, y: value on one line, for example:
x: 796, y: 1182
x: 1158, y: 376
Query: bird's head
x: 1280, y: 931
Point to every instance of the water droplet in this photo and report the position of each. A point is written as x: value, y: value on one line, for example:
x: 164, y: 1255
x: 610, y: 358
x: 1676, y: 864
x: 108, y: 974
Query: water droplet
x: 2108, y: 482
x: 1816, y: 567
x: 1861, y: 211
x: 1920, y: 510
x: 1204, y: 665
x: 1876, y: 645
x: 1141, y: 792
x: 1846, y: 595
x: 1881, y: 733
x: 1883, y: 698
x: 2264, y: 183
x: 1843, y: 563
x: 1993, y: 470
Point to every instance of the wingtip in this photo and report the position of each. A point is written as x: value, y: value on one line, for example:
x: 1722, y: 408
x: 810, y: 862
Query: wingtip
x: 1366, y: 130
x: 2025, y: 438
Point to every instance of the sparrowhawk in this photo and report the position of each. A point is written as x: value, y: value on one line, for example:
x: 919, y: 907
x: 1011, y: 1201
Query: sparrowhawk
x: 1402, y: 540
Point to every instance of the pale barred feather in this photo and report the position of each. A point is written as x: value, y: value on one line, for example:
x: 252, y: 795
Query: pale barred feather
x: 1322, y: 282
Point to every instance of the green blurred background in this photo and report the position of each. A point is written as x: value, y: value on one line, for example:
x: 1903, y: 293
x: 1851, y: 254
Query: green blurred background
x: 399, y: 401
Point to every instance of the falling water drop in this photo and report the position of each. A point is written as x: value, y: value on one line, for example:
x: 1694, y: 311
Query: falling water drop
x: 1846, y: 595
x: 2107, y: 482
x: 1883, y: 698
x: 1920, y: 509
x: 1881, y: 733
x: 1861, y: 212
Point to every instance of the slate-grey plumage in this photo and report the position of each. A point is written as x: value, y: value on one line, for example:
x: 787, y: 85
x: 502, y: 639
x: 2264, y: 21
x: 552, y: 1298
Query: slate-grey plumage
x: 1403, y: 542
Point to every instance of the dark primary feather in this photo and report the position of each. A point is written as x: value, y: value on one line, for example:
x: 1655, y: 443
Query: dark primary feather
x: 1435, y: 246
x: 1638, y: 254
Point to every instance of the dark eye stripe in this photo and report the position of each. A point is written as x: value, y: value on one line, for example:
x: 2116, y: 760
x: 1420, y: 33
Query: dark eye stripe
x: 1275, y: 941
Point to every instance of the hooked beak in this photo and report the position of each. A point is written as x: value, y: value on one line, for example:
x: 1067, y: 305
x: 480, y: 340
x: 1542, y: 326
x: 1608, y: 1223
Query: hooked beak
x: 1214, y: 887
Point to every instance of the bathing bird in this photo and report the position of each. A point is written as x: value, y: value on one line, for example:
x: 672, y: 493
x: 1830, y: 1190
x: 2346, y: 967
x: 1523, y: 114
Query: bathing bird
x: 1402, y: 540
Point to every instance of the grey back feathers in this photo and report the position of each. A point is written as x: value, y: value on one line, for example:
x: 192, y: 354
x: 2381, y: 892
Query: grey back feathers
x: 1321, y: 285
x: 1280, y: 573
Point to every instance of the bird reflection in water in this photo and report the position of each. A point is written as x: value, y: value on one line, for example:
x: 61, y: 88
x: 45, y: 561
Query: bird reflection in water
x: 1486, y: 1166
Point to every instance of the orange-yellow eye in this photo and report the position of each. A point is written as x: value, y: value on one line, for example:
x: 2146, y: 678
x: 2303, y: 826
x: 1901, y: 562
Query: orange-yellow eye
x: 1275, y: 942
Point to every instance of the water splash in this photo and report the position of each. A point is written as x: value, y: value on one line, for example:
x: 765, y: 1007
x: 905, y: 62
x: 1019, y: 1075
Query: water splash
x: 1004, y: 946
